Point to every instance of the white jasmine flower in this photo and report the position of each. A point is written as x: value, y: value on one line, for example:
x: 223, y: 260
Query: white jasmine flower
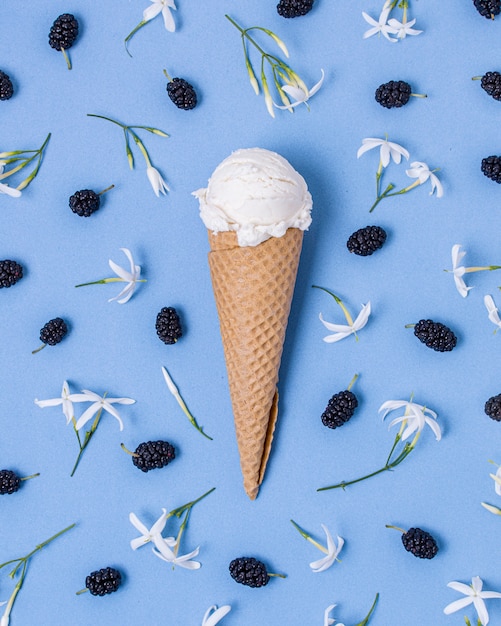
x: 332, y: 551
x: 299, y: 93
x: 493, y: 312
x: 345, y: 330
x: 164, y: 552
x: 414, y: 418
x: 164, y: 7
x: 387, y: 150
x: 154, y: 534
x: 459, y: 271
x: 497, y: 480
x: 214, y: 615
x: 403, y: 29
x: 9, y: 191
x: 422, y: 172
x: 328, y: 621
x: 98, y: 403
x: 157, y: 182
x: 66, y: 400
x: 381, y: 26
x: 474, y: 595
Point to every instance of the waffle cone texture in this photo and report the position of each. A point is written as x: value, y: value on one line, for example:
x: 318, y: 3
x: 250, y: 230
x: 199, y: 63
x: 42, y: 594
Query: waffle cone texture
x: 253, y: 288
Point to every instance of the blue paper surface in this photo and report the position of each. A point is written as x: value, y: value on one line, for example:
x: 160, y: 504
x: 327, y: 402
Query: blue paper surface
x: 114, y: 349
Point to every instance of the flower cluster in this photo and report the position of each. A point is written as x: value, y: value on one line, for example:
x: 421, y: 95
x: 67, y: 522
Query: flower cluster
x: 388, y: 151
x: 290, y: 87
x: 18, y: 160
x: 386, y: 26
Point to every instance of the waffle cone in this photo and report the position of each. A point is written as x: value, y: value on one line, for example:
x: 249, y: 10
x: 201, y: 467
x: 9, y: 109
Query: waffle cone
x: 253, y: 288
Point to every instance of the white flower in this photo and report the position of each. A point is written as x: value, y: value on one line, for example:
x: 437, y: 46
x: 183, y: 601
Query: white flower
x: 422, y: 172
x: 458, y: 271
x: 381, y: 26
x: 154, y: 534
x: 474, y: 595
x: 66, y: 400
x: 328, y: 621
x: 214, y: 615
x: 344, y: 330
x: 164, y: 7
x: 98, y: 403
x: 165, y: 553
x: 415, y: 417
x: 332, y: 552
x: 493, y: 312
x: 497, y: 480
x: 388, y: 150
x: 402, y: 29
x: 9, y: 191
x: 131, y: 277
x: 157, y: 182
x: 298, y: 93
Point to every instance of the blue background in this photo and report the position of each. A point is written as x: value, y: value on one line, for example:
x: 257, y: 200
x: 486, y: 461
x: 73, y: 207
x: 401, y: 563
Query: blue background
x: 112, y: 348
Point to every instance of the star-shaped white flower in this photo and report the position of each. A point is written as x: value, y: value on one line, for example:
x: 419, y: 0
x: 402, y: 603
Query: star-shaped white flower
x: 214, y: 615
x: 98, y: 403
x: 415, y: 417
x: 423, y: 173
x: 164, y: 552
x: 345, y: 330
x: 459, y: 271
x: 131, y: 277
x: 299, y: 93
x: 164, y: 7
x: 332, y: 552
x: 403, y: 29
x: 66, y: 400
x: 387, y: 150
x: 154, y: 534
x: 474, y: 595
x: 493, y: 312
x: 328, y: 621
x: 381, y: 26
x: 157, y: 182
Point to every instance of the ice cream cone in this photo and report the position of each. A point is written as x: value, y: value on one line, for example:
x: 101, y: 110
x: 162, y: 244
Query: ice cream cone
x: 253, y: 287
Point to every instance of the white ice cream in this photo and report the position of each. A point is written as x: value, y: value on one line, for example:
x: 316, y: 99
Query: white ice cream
x: 256, y: 193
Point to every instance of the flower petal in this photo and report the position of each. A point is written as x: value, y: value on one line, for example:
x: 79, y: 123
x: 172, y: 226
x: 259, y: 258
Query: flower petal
x: 337, y: 328
x: 121, y: 272
x: 461, y: 587
x: 152, y: 11
x: 138, y: 525
x: 87, y: 415
x: 169, y: 23
x: 52, y: 402
x: 363, y: 317
x: 217, y: 616
x: 457, y: 605
x: 481, y: 609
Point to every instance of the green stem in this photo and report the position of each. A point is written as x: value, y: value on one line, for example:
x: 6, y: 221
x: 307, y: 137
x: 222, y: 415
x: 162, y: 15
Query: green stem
x: 181, y: 509
x: 103, y: 281
x: 308, y: 537
x: 352, y: 382
x: 66, y: 58
x: 366, y: 620
x: 103, y: 117
x: 395, y: 528
x: 132, y: 33
x: 347, y: 315
x: 87, y: 438
x: 30, y: 476
x: 105, y: 190
x: 141, y: 147
x: 385, y: 194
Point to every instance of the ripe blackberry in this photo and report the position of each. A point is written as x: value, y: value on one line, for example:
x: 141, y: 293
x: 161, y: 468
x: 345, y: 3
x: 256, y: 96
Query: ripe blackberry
x: 249, y: 571
x: 493, y: 408
x: 366, y: 241
x: 10, y: 273
x: 340, y: 409
x: 9, y: 482
x: 6, y: 88
x: 63, y: 33
x: 491, y: 84
x: 420, y: 543
x: 103, y: 581
x: 394, y: 94
x: 86, y: 202
x: 488, y: 8
x: 491, y: 167
x: 435, y: 335
x: 294, y: 8
x: 152, y: 455
x: 168, y: 325
x: 181, y: 93
x: 52, y: 333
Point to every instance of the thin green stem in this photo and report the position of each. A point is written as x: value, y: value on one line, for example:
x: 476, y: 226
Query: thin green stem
x: 132, y: 33
x: 103, y: 281
x: 66, y: 58
x: 103, y: 117
x: 189, y: 505
x: 395, y: 527
x: 87, y: 438
x: 338, y: 300
x: 309, y: 538
x: 141, y: 147
x: 385, y: 194
x: 369, y: 614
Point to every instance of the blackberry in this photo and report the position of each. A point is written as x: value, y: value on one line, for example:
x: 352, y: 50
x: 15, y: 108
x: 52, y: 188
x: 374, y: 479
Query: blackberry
x: 168, y: 325
x: 491, y: 84
x: 86, y: 202
x: 493, y: 408
x: 394, y: 94
x: 152, y: 455
x: 10, y: 273
x: 435, y: 335
x: 420, y: 543
x: 491, y: 167
x: 294, y: 8
x: 103, y: 581
x: 63, y: 33
x: 181, y: 93
x: 6, y: 88
x: 366, y: 241
x: 52, y: 333
x: 249, y: 571
x: 340, y: 409
x: 488, y: 8
x: 9, y: 482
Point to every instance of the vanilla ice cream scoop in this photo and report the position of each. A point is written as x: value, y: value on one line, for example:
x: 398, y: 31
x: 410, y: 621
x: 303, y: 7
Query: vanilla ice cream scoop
x: 257, y: 194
